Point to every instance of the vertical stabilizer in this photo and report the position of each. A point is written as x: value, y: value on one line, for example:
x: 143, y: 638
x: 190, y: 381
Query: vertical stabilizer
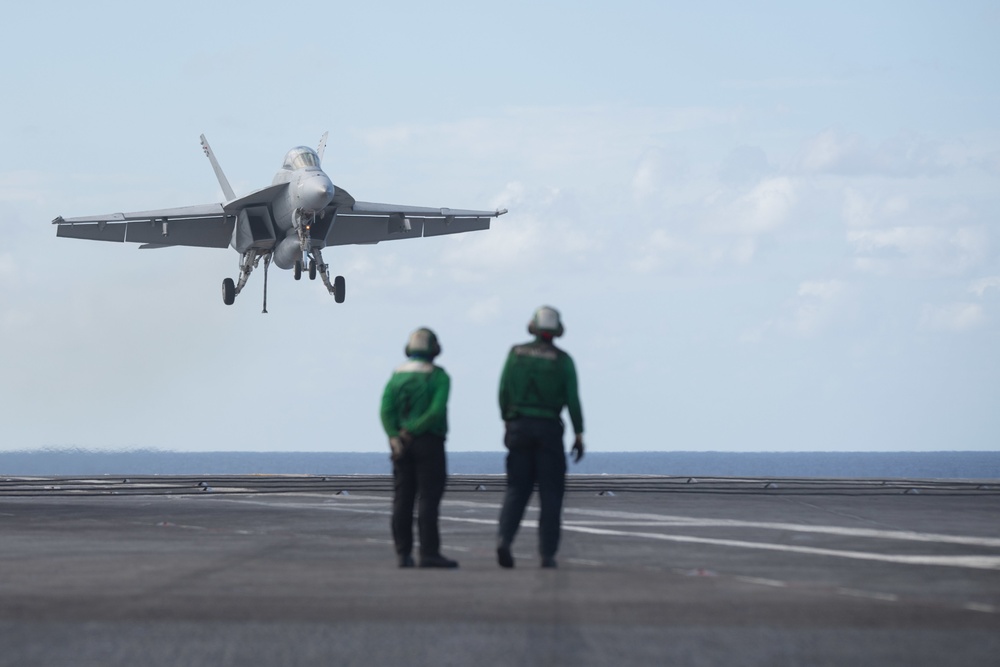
x: 322, y: 146
x: 227, y: 189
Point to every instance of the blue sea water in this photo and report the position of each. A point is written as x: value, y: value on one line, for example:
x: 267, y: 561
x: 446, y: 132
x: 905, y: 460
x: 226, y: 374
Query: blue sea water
x: 902, y: 465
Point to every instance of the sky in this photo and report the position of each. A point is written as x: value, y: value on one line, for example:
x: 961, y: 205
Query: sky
x: 769, y: 226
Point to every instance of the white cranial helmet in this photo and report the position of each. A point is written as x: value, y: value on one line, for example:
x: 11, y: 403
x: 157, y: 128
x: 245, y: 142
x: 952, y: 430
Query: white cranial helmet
x: 546, y: 320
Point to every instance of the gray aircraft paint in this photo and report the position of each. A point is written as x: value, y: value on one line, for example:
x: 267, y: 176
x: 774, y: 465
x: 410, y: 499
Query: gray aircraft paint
x: 288, y: 222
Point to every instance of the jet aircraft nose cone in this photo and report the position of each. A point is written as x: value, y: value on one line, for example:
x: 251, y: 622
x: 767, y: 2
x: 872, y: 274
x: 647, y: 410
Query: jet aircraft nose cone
x: 315, y: 192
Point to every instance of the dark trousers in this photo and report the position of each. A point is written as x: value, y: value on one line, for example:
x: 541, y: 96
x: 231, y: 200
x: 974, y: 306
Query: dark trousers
x: 534, y: 455
x: 419, y: 477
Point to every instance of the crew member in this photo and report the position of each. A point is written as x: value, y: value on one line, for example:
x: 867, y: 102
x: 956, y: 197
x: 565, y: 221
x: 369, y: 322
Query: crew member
x: 415, y: 417
x: 537, y: 382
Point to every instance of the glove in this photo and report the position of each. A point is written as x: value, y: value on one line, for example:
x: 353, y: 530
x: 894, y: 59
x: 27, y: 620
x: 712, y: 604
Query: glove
x: 396, y: 445
x: 578, y: 448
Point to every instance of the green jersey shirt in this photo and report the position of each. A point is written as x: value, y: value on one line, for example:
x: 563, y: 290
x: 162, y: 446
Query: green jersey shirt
x: 538, y: 380
x: 416, y: 399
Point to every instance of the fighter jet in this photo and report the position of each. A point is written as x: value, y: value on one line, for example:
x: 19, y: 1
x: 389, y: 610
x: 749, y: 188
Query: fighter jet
x: 288, y: 222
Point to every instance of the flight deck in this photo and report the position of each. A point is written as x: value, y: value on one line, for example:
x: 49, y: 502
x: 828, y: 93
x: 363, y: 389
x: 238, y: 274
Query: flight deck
x: 300, y: 570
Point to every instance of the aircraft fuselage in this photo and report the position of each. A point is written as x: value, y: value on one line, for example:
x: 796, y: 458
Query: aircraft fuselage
x: 309, y: 192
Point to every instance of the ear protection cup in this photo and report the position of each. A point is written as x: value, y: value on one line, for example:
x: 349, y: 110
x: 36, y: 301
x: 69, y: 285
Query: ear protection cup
x: 424, y: 342
x: 546, y: 320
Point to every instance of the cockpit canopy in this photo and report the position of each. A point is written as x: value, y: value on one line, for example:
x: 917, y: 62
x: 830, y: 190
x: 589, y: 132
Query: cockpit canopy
x: 301, y: 157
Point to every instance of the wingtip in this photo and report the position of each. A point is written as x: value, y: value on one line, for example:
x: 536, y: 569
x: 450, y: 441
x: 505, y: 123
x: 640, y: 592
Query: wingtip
x: 501, y: 211
x: 58, y: 220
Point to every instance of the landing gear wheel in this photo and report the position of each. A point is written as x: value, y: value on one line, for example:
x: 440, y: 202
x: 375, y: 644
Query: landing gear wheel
x: 312, y: 269
x: 228, y: 291
x: 298, y: 269
x: 339, y: 286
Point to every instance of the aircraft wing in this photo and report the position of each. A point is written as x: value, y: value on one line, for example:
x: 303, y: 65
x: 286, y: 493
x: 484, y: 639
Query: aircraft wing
x: 368, y: 222
x: 206, y: 226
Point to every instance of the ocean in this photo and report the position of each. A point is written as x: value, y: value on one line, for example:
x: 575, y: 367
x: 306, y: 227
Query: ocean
x: 892, y: 465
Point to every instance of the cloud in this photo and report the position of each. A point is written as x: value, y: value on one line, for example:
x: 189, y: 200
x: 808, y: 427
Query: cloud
x: 764, y: 208
x: 906, y: 155
x: 916, y: 231
x: 8, y: 267
x: 485, y: 311
x: 22, y: 186
x: 661, y: 250
x: 956, y: 317
x: 658, y: 171
x: 833, y: 152
x: 744, y: 164
x: 786, y: 83
x: 818, y: 305
x: 12, y: 315
x: 587, y: 142
x: 542, y: 234
x: 685, y: 217
x: 714, y: 227
x: 860, y: 211
x: 543, y: 231
x: 922, y: 249
x: 981, y: 286
x: 768, y: 205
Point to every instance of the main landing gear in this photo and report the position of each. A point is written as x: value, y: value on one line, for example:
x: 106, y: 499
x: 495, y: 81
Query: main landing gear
x: 316, y: 265
x: 228, y: 291
x: 251, y: 259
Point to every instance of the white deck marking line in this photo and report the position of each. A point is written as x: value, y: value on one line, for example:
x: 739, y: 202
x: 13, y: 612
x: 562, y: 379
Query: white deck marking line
x: 695, y: 522
x: 967, y: 540
x: 868, y: 595
x: 972, y: 562
x: 759, y: 581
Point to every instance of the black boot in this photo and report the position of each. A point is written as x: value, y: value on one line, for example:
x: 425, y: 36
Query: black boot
x: 504, y: 557
x: 437, y: 561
